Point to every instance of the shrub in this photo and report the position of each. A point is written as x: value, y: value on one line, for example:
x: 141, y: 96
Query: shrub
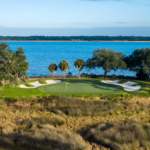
x: 126, y: 135
x: 69, y: 74
x: 45, y: 138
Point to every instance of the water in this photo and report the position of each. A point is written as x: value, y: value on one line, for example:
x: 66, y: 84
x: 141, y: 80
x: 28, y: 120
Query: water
x: 41, y: 54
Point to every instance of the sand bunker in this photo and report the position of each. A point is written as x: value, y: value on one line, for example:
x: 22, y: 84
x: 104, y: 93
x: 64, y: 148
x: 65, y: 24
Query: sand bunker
x: 128, y: 86
x: 37, y: 84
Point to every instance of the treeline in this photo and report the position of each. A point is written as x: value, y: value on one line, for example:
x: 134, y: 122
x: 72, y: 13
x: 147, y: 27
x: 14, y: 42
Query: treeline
x: 138, y: 61
x: 74, y: 38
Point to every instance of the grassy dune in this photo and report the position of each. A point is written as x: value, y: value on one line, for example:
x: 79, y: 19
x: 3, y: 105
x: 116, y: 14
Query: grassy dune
x: 120, y: 136
x: 32, y: 123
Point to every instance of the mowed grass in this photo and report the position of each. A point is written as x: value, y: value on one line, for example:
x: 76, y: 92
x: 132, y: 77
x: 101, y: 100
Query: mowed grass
x: 75, y: 87
x: 10, y: 92
x: 81, y: 87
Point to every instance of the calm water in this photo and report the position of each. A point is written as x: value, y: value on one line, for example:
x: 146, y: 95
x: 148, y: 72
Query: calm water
x: 41, y: 54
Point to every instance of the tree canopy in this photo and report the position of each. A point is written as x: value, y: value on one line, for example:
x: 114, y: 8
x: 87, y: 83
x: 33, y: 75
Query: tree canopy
x: 79, y: 63
x: 64, y: 66
x: 76, y: 38
x: 13, y: 65
x: 107, y: 59
x: 52, y: 68
x: 139, y: 61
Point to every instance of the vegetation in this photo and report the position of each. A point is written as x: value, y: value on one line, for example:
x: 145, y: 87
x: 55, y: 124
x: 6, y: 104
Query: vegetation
x: 43, y: 138
x: 52, y: 68
x: 76, y: 38
x: 69, y: 74
x: 64, y: 66
x: 79, y: 63
x: 29, y: 85
x: 107, y: 59
x: 28, y: 124
x: 42, y: 81
x: 94, y: 116
x: 13, y: 65
x: 76, y: 107
x: 81, y: 88
x: 120, y: 136
x: 56, y: 122
x: 139, y: 61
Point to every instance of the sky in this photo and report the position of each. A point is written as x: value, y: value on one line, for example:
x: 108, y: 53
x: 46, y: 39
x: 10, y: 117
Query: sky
x: 74, y: 17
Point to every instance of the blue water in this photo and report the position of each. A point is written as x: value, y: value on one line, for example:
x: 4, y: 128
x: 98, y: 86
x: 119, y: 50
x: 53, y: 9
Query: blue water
x: 41, y: 54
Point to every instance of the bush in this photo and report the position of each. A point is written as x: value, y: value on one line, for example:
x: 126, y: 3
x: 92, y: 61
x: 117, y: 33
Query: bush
x: 69, y: 74
x: 126, y: 135
x: 45, y: 138
x: 142, y: 75
x: 77, y: 107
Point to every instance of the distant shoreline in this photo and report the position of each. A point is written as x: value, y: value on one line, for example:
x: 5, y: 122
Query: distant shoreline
x: 64, y: 41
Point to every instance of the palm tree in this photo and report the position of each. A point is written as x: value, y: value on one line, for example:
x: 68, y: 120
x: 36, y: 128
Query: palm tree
x: 52, y: 68
x: 64, y: 66
x: 79, y: 63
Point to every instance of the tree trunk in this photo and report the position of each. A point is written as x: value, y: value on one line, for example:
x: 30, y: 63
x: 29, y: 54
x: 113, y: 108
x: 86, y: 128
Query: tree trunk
x: 63, y: 75
x: 17, y: 78
x: 79, y: 73
x: 105, y: 74
x: 52, y: 76
x: 3, y: 81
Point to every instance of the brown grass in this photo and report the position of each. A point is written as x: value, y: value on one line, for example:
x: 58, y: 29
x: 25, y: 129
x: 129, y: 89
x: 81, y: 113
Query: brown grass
x: 64, y: 113
x: 45, y: 138
x: 126, y: 135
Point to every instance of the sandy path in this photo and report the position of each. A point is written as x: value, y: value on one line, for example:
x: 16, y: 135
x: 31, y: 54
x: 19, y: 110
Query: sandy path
x: 36, y: 84
x: 128, y: 86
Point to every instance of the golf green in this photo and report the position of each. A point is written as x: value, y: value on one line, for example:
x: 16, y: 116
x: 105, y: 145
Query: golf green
x: 81, y: 87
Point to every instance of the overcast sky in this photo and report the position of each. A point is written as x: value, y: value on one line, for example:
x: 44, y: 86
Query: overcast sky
x: 75, y: 17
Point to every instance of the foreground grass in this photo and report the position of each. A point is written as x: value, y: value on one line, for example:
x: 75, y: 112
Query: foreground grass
x: 120, y: 136
x: 44, y: 138
x: 48, y: 122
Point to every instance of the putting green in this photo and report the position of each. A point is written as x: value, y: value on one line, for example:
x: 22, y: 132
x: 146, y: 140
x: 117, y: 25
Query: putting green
x: 81, y: 87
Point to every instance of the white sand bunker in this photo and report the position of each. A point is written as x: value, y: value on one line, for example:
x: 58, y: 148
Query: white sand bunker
x: 128, y: 86
x: 37, y: 84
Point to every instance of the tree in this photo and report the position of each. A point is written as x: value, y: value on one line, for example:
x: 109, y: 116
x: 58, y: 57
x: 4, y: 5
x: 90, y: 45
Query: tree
x: 64, y: 66
x: 139, y: 62
x: 79, y: 63
x: 13, y: 65
x: 52, y: 68
x: 20, y: 65
x: 107, y: 59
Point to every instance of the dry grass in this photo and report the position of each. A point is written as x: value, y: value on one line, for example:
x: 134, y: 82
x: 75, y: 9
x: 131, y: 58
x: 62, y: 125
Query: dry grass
x: 45, y: 138
x: 76, y: 107
x: 64, y: 113
x: 120, y: 136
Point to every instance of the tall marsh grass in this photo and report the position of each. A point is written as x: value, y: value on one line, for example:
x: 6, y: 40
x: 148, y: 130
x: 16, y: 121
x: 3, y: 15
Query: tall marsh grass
x: 45, y: 138
x: 122, y: 136
x: 76, y: 107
